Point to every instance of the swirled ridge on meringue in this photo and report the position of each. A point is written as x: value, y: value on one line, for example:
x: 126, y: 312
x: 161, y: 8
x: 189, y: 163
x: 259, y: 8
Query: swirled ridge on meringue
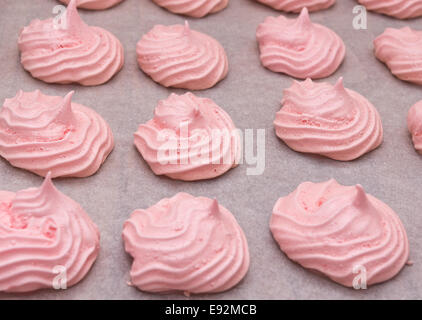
x: 401, y: 51
x: 42, y: 133
x: 70, y: 53
x: 41, y: 229
x: 193, y: 8
x: 176, y: 56
x: 298, y: 5
x: 401, y: 9
x: 414, y: 123
x: 186, y: 244
x: 328, y: 120
x: 336, y: 230
x: 298, y: 47
x: 189, y: 138
x: 94, y: 4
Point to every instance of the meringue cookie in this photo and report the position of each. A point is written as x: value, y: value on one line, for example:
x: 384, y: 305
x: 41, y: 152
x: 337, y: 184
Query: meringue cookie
x: 70, y: 53
x: 401, y: 9
x: 298, y: 5
x: 94, y: 4
x: 328, y: 120
x: 42, y: 133
x: 339, y: 230
x: 176, y: 56
x: 44, y: 233
x: 189, y: 138
x: 193, y: 8
x: 186, y: 244
x: 401, y: 51
x: 414, y: 123
x: 298, y: 47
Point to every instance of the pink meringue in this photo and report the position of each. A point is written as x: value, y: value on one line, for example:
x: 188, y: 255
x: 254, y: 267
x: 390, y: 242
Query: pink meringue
x: 72, y: 53
x: 336, y: 230
x: 189, y: 138
x: 176, y: 56
x: 401, y: 51
x: 328, y: 120
x: 42, y: 133
x: 298, y: 5
x: 94, y: 4
x: 186, y: 244
x: 401, y: 9
x: 193, y: 8
x: 414, y: 123
x: 42, y: 229
x: 298, y: 47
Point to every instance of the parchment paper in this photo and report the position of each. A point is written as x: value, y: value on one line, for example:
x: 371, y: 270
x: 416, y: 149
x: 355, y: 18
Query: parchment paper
x: 251, y: 95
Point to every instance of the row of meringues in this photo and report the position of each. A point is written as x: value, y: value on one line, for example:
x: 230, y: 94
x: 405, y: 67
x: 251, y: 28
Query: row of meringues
x: 195, y: 245
x: 190, y: 137
x: 400, y: 9
x: 67, y: 50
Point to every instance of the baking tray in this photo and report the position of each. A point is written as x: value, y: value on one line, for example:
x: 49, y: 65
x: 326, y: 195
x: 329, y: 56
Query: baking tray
x: 251, y: 95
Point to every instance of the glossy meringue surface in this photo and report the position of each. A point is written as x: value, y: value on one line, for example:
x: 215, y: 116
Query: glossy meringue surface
x: 42, y: 133
x: 177, y: 56
x: 414, y: 124
x: 189, y: 138
x: 298, y: 5
x: 328, y: 120
x: 336, y: 230
x: 401, y: 9
x: 42, y: 229
x: 186, y: 244
x: 193, y: 8
x: 94, y: 4
x: 298, y: 47
x: 71, y: 52
x: 401, y: 51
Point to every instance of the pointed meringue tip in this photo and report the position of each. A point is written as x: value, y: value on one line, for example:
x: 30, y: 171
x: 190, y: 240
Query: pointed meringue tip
x: 67, y: 103
x: 71, y: 7
x: 65, y: 113
x: 339, y: 84
x: 69, y: 95
x: 48, y: 183
x: 360, y: 196
x: 304, y: 16
x: 186, y: 30
x: 332, y: 180
x: 214, y: 208
x: 308, y: 81
x: 72, y: 16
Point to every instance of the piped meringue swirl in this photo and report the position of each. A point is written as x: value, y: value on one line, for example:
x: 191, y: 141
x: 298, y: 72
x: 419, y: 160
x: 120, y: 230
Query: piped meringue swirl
x: 42, y: 233
x: 328, y: 120
x: 401, y: 9
x: 193, y: 8
x: 414, y: 123
x: 186, y: 244
x: 401, y: 51
x: 298, y: 47
x: 176, y: 56
x: 338, y: 230
x: 298, y: 5
x: 94, y: 4
x: 42, y: 133
x: 70, y: 51
x: 189, y: 138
